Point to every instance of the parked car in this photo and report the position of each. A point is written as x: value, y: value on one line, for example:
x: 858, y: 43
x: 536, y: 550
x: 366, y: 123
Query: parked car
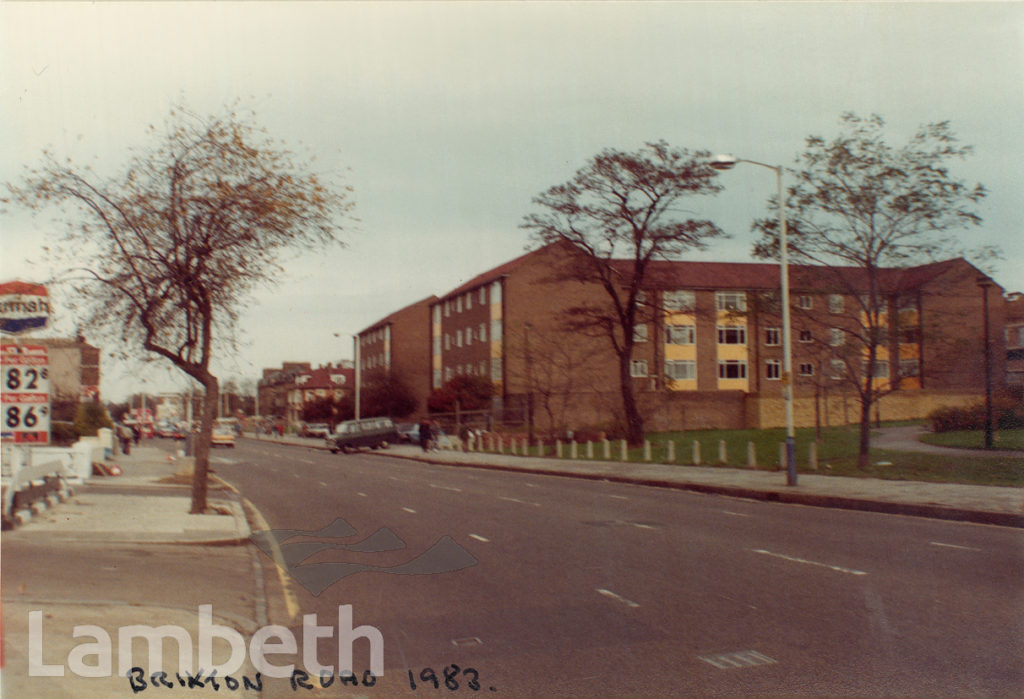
x: 315, y: 429
x: 375, y: 432
x: 223, y: 436
x: 409, y: 432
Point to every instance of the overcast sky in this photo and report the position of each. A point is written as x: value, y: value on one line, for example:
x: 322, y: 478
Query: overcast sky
x: 448, y: 118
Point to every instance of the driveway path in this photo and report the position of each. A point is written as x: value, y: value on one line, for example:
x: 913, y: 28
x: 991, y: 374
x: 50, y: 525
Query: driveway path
x: 906, y: 439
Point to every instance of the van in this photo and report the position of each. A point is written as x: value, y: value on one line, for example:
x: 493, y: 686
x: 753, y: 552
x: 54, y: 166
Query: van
x: 375, y: 432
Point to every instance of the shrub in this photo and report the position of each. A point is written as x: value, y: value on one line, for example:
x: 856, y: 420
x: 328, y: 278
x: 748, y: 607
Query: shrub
x: 89, y: 418
x: 1007, y: 414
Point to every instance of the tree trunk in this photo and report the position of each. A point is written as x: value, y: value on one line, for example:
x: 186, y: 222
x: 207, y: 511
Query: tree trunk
x: 634, y: 421
x: 865, y: 433
x: 202, y: 447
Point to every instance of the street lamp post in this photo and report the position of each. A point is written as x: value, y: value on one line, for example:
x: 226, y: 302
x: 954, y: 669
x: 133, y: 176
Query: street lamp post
x: 727, y: 162
x: 985, y: 283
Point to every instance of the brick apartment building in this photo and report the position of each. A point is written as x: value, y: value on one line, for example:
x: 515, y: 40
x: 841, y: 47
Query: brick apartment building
x: 285, y: 391
x: 74, y: 368
x: 709, y: 350
x: 1015, y: 340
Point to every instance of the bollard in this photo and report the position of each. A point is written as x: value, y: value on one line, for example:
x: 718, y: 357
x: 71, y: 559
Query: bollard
x: 625, y: 454
x: 572, y: 450
x: 558, y: 448
x: 647, y: 450
x: 751, y: 455
x: 607, y: 449
x: 696, y: 453
x: 590, y: 450
x: 722, y: 457
x: 813, y: 456
x: 671, y: 457
x: 490, y: 442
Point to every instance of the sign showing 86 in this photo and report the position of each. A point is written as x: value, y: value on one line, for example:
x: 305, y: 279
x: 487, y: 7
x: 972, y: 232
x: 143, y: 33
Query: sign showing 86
x: 25, y: 388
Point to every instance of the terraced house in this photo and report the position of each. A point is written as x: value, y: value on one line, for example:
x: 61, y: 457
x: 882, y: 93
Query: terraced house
x: 709, y: 345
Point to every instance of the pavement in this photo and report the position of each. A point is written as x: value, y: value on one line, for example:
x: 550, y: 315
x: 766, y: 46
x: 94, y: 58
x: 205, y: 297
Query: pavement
x: 149, y: 505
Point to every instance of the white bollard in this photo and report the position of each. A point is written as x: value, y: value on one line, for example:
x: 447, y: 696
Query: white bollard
x: 671, y: 457
x: 751, y: 455
x: 696, y: 453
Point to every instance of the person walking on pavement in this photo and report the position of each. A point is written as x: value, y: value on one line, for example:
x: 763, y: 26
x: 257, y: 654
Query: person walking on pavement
x: 124, y: 435
x: 425, y: 435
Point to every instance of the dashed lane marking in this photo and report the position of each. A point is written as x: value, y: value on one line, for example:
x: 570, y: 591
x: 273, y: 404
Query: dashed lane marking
x: 362, y: 495
x: 409, y: 510
x: 953, y: 546
x: 736, y: 514
x: 446, y: 487
x: 619, y: 598
x: 794, y: 559
x: 480, y: 538
x: 521, y: 502
x: 740, y: 659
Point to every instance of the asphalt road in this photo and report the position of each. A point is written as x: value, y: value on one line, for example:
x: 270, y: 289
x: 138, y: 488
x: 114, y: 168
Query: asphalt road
x: 584, y: 588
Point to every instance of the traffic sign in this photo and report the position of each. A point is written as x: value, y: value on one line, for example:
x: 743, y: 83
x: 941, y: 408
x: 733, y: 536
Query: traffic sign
x: 25, y: 394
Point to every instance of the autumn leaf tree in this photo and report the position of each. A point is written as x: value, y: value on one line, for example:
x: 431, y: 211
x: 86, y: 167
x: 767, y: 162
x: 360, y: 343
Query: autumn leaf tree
x: 860, y: 209
x: 164, y: 257
x: 619, y: 213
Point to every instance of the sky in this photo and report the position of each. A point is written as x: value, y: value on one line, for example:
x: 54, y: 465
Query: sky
x: 446, y: 119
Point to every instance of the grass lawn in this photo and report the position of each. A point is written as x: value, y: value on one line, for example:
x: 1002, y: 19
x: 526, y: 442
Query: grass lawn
x: 975, y: 439
x: 837, y: 455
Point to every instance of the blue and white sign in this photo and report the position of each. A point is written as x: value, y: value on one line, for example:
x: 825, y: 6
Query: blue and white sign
x: 23, y: 307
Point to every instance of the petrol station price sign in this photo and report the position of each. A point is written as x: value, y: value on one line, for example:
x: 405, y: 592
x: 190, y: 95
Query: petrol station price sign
x: 25, y: 394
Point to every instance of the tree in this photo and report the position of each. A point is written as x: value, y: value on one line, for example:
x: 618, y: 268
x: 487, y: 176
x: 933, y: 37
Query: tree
x: 859, y: 209
x: 166, y: 255
x: 623, y: 204
x: 386, y: 393
x: 462, y: 393
x: 327, y: 409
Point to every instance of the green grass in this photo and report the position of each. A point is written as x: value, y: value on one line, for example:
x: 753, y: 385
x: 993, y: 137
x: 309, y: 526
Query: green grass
x: 837, y: 455
x: 975, y: 439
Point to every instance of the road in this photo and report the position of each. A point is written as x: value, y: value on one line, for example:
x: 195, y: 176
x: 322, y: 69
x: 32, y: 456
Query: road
x: 590, y: 589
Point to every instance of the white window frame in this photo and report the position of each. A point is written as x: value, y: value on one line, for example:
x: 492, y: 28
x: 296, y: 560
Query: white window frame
x: 773, y: 369
x: 638, y: 368
x: 741, y: 330
x: 836, y: 303
x: 673, y: 365
x: 724, y: 364
x: 772, y: 337
x: 679, y: 300
x: 836, y: 337
x: 806, y: 369
x: 640, y: 332
x: 680, y: 334
x: 734, y: 301
x: 805, y: 336
x: 805, y: 302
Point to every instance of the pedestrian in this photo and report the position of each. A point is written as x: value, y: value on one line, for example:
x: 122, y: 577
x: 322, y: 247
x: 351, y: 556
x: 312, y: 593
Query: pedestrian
x: 124, y: 434
x: 425, y: 435
x: 135, y: 434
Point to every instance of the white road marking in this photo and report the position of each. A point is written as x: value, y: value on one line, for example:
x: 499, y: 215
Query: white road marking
x: 480, y: 538
x: 323, y: 484
x: 393, y: 478
x: 362, y: 495
x: 641, y: 526
x: 619, y: 497
x: 728, y: 661
x: 608, y: 593
x: 531, y: 485
x: 445, y: 487
x: 838, y: 569
x: 409, y: 510
x: 306, y: 461
x: 521, y: 502
x: 953, y: 546
x: 735, y: 514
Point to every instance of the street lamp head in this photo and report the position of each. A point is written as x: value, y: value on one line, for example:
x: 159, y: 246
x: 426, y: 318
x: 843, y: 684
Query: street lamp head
x: 724, y: 162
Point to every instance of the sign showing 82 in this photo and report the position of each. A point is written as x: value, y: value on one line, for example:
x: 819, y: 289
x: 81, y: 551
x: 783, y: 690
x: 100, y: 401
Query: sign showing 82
x: 25, y: 386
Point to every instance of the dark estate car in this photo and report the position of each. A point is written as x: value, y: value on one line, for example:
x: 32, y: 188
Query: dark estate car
x: 375, y: 432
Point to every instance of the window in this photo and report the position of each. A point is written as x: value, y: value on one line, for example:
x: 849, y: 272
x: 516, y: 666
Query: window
x: 910, y: 335
x: 806, y: 336
x: 458, y: 338
x: 638, y: 368
x: 909, y: 367
x: 679, y: 300
x: 447, y: 309
x: 483, y: 332
x: 805, y: 302
x: 836, y: 337
x: 496, y: 292
x: 880, y: 369
x: 483, y: 295
x: 731, y: 300
x: 483, y: 368
x: 732, y: 334
x: 773, y: 369
x: 806, y: 369
x: 680, y: 334
x: 437, y: 344
x: 496, y: 369
x: 838, y: 367
x: 437, y: 314
x: 469, y: 336
x: 732, y: 369
x: 681, y: 369
x: 447, y: 341
x: 836, y: 303
x: 447, y: 373
x: 772, y: 337
x: 496, y: 330
x: 640, y: 332
x: 469, y: 301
